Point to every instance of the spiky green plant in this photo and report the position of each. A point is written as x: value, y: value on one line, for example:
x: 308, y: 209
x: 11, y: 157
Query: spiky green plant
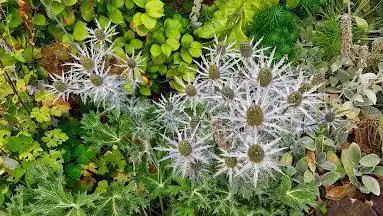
x: 278, y: 27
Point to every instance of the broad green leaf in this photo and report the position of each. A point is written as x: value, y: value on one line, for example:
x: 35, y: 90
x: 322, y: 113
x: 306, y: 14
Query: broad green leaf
x: 148, y: 21
x: 79, y: 31
x: 14, y: 18
x: 195, y: 52
x: 28, y: 54
x: 327, y: 165
x: 308, y: 143
x: 129, y: 4
x: 329, y: 178
x: 188, y: 76
x: 173, y: 43
x: 361, y: 23
x: 140, y: 3
x: 291, y: 4
x: 69, y: 2
x: 378, y: 171
x: 39, y: 19
x: 118, y: 3
x: 145, y: 91
x: 155, y: 50
x: 136, y: 44
x: 370, y: 160
x: 354, y: 153
x: 116, y: 16
x: 87, y: 10
x: 166, y: 49
x: 347, y: 163
x: 372, y: 184
x: 186, y: 56
x: 68, y: 17
x: 186, y: 40
x: 155, y: 8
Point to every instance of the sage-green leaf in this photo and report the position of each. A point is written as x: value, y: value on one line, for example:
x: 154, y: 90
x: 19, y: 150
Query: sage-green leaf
x: 327, y: 165
x: 370, y: 160
x: 329, y: 178
x: 354, y: 153
x: 372, y: 184
x: 378, y: 171
x: 347, y: 163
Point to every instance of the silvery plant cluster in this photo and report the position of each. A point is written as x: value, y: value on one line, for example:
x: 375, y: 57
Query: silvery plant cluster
x: 90, y: 71
x: 230, y: 120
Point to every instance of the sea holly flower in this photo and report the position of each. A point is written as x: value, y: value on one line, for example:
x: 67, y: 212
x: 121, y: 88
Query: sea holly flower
x: 248, y: 50
x: 102, y: 87
x: 133, y: 67
x: 101, y: 35
x: 188, y: 152
x: 170, y: 112
x: 268, y: 74
x: 222, y: 50
x: 300, y: 98
x: 332, y: 119
x: 259, y: 157
x: 87, y: 59
x: 191, y: 92
x: 63, y: 85
x: 228, y: 165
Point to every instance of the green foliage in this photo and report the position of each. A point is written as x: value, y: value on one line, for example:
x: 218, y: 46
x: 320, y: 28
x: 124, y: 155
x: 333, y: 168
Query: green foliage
x: 230, y: 18
x: 278, y: 27
x: 54, y: 138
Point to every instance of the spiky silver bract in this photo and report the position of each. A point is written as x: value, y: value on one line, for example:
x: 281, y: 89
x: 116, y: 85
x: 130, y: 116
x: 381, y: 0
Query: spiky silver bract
x: 251, y: 100
x: 101, y: 35
x: 63, y: 85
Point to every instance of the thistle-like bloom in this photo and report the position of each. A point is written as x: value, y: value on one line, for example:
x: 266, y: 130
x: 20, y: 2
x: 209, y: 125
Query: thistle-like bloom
x: 101, y: 35
x: 229, y: 165
x: 332, y: 118
x: 64, y: 85
x: 249, y: 50
x: 302, y: 97
x: 88, y: 59
x: 212, y: 73
x: 258, y: 111
x: 191, y: 92
x: 222, y: 50
x: 133, y: 67
x: 169, y: 111
x: 265, y: 73
x: 101, y: 87
x: 258, y: 157
x: 226, y: 96
x: 188, y: 152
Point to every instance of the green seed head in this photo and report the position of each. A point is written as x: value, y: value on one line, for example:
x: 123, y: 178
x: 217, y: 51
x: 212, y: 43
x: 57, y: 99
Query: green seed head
x: 304, y: 87
x: 255, y: 153
x: 99, y: 34
x: 169, y: 106
x: 184, y: 148
x: 246, y: 49
x: 295, y: 98
x: 265, y: 77
x: 227, y: 93
x: 131, y: 63
x: 96, y: 80
x: 190, y: 90
x: 60, y: 86
x: 231, y: 162
x: 214, y: 72
x: 254, y: 115
x: 329, y: 117
x: 87, y: 63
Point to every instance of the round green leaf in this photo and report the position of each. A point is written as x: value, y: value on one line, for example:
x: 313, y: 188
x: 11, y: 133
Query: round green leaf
x: 195, y: 52
x: 145, y: 91
x: 39, y: 19
x: 173, y: 43
x: 140, y: 3
x: 129, y: 4
x: 370, y: 160
x: 188, y: 76
x: 116, y: 16
x: 79, y: 31
x: 155, y: 8
x: 87, y: 10
x: 186, y: 56
x: 186, y: 40
x: 292, y: 3
x: 148, y: 21
x: 372, y: 184
x: 136, y: 44
x: 68, y: 17
x: 354, y: 153
x: 166, y: 49
x: 155, y: 50
x: 69, y: 2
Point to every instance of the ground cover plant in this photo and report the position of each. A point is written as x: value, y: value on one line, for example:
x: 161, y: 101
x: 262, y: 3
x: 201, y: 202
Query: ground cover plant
x: 163, y: 107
